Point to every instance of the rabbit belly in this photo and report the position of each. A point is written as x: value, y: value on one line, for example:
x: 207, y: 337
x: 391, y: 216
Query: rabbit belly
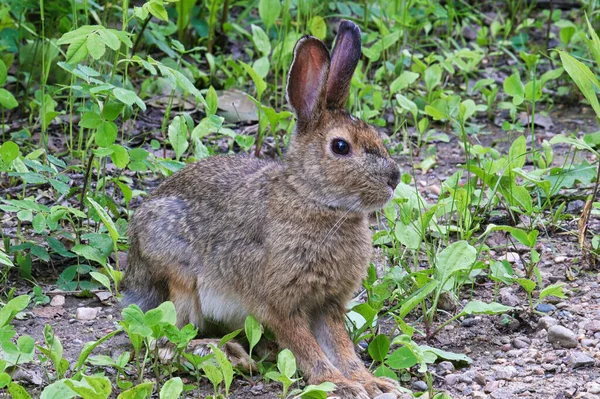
x: 222, y: 308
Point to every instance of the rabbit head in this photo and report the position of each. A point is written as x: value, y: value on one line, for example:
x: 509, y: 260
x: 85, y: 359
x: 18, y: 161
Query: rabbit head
x: 334, y: 159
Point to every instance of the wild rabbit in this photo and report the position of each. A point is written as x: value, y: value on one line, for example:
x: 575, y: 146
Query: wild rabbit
x: 288, y: 242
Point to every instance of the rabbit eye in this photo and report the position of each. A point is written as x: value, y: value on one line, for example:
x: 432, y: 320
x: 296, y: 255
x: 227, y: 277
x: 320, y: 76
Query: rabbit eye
x: 340, y: 147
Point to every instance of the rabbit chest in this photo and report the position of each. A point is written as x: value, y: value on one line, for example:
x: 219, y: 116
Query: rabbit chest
x: 318, y: 258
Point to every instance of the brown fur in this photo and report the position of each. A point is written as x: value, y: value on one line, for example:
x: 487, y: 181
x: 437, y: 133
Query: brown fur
x: 287, y: 242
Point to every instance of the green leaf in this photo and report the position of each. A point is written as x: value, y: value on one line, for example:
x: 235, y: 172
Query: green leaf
x: 451, y: 356
x: 261, y: 40
x: 119, y: 156
x: 106, y: 134
x: 77, y: 50
x: 9, y: 151
x: 12, y: 307
x: 7, y: 100
x: 102, y: 279
x: 178, y: 136
x: 225, y: 365
x: 317, y: 27
x: 3, y: 73
x: 88, y: 347
x: 158, y: 10
x: 417, y: 297
x: 141, y: 391
x: 438, y: 110
x: 517, y: 153
x: 112, y: 110
x: 17, y: 391
x: 212, y: 100
x: 379, y: 347
x: 4, y: 379
x: 408, y: 105
x: 58, y: 390
x: 90, y: 120
x: 457, y: 256
x: 533, y: 90
x: 513, y: 86
x: 286, y: 363
x: 172, y: 389
x: 584, y: 78
x: 128, y: 97
x: 554, y: 290
x: 269, y: 11
x: 109, y: 38
x: 258, y: 81
x: 403, y: 81
x: 89, y: 253
x: 401, y: 358
x: 479, y: 307
x: 110, y: 226
x: 138, y: 154
x: 91, y: 387
x: 253, y: 331
x: 39, y: 223
x: 95, y: 46
x: 432, y: 76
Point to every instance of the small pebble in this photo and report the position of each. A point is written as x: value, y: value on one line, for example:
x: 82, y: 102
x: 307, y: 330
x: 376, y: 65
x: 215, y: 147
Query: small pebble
x: 491, y: 386
x: 545, y: 308
x: 447, y: 366
x: 420, y: 386
x: 58, y: 300
x: 546, y: 322
x: 560, y: 336
x: 580, y: 359
x: 87, y: 313
x: 386, y: 396
x: 593, y: 387
x: 469, y: 322
x: 520, y: 344
x: 505, y: 373
x: 451, y: 379
x: 512, y: 257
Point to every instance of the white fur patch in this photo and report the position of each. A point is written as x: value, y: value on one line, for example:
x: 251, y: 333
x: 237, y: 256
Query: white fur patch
x: 222, y: 309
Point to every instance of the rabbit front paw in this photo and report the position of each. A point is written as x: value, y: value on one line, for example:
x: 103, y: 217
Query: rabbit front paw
x: 379, y: 385
x: 349, y: 390
x: 237, y: 355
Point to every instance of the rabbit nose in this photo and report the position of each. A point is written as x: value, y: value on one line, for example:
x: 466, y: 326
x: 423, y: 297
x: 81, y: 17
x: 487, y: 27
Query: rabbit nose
x: 394, y: 177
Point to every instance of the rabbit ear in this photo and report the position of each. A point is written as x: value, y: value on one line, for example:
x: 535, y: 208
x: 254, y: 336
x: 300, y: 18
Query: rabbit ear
x: 307, y: 80
x: 344, y: 58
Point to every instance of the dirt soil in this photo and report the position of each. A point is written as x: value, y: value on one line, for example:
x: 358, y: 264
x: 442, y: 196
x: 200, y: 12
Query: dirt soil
x: 510, y: 360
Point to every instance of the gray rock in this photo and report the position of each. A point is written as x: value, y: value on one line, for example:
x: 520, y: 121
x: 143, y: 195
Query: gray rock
x: 420, y: 386
x: 447, y: 366
x: 546, y: 322
x: 27, y: 376
x: 505, y: 372
x: 520, y: 344
x: 469, y: 322
x: 575, y: 207
x: 593, y: 387
x: 386, y: 396
x: 560, y: 336
x: 87, y: 313
x: 451, y: 379
x: 258, y: 389
x: 592, y: 326
x: 512, y: 257
x: 58, y: 300
x: 491, y: 386
x: 580, y: 359
x: 507, y: 297
x: 545, y: 308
